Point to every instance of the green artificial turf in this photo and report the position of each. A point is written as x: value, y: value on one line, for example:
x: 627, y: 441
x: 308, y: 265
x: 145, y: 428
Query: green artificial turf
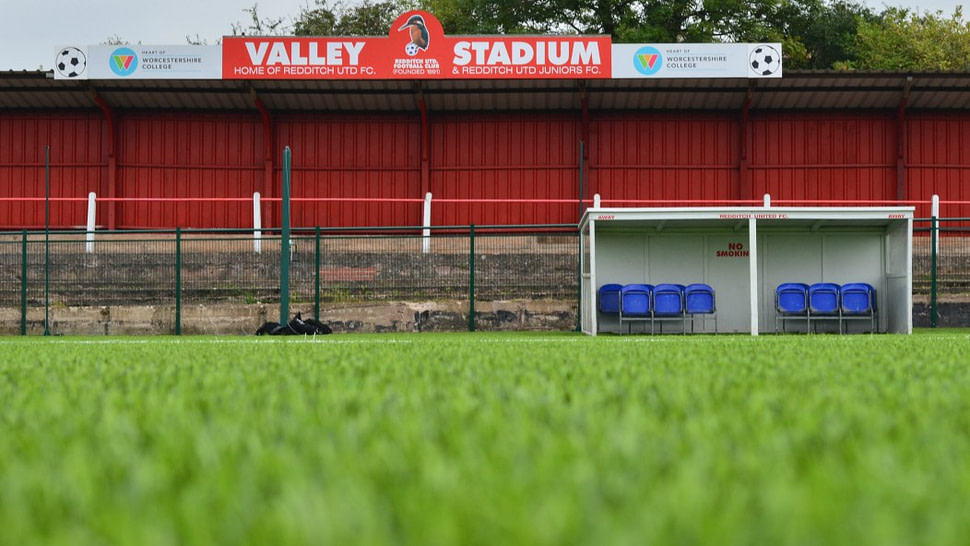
x: 524, y: 438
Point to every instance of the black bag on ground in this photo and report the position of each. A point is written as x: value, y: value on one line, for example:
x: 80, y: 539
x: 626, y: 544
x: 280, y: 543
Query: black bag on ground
x: 296, y: 326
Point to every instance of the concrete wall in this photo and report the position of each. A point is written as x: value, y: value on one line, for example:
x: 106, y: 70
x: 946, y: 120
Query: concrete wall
x: 393, y: 317
x: 244, y: 319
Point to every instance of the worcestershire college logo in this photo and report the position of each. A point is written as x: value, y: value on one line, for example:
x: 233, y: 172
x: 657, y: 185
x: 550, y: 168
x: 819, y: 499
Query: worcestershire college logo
x: 123, y: 61
x: 648, y: 60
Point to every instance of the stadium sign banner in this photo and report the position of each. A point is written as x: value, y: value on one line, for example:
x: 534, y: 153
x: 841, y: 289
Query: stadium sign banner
x: 416, y: 48
x: 685, y: 61
x: 139, y: 62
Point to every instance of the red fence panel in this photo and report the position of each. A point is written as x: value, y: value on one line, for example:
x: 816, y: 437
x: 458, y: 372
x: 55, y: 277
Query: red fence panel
x: 188, y: 155
x: 664, y: 156
x: 938, y: 162
x: 77, y: 167
x: 824, y: 156
x: 358, y: 159
x: 508, y: 158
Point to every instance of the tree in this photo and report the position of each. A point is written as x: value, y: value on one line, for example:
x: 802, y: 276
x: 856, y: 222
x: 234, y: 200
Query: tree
x: 905, y: 40
x: 636, y: 20
x: 488, y: 16
x: 624, y: 20
x: 369, y: 18
x: 258, y: 26
x: 817, y: 34
x: 116, y: 40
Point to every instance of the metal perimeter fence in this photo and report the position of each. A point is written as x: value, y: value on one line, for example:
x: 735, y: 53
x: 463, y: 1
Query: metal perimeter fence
x: 174, y: 270
x: 170, y: 270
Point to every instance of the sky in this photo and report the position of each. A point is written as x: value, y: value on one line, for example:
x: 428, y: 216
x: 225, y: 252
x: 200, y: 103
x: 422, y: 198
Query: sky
x: 32, y: 31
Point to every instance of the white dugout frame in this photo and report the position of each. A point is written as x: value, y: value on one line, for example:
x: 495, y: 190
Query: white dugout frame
x: 745, y: 252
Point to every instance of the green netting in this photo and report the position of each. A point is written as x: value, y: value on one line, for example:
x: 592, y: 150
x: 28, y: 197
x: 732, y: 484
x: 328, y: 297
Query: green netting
x: 952, y: 259
x: 335, y: 266
x: 140, y: 268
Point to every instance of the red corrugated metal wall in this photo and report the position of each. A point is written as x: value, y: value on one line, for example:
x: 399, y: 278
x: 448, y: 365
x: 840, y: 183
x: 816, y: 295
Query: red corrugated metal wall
x: 938, y: 155
x: 77, y: 166
x: 505, y: 156
x: 188, y: 155
x: 833, y: 156
x: 358, y: 157
x: 823, y: 156
x: 664, y: 156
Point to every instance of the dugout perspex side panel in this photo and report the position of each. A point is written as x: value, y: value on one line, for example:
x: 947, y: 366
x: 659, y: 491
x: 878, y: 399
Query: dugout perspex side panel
x: 745, y: 252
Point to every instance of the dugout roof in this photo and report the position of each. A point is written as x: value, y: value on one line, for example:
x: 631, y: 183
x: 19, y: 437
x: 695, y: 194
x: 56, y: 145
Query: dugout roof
x: 797, y: 90
x: 781, y: 244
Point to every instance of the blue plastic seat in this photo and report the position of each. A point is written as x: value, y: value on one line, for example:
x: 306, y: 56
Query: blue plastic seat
x: 609, y: 298
x: 823, y: 303
x: 699, y: 300
x: 668, y: 304
x: 635, y: 303
x: 791, y: 302
x: 858, y: 301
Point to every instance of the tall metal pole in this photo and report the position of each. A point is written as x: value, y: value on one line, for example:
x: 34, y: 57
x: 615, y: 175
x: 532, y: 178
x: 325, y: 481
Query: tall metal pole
x: 285, y: 242
x: 47, y: 241
x: 471, y: 278
x: 579, y: 268
x: 934, y: 239
x: 178, y: 281
x: 316, y: 276
x: 579, y: 282
x: 23, y: 285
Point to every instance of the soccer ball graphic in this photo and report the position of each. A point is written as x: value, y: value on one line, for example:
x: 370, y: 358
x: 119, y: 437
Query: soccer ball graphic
x: 411, y: 49
x: 71, y: 62
x: 765, y: 60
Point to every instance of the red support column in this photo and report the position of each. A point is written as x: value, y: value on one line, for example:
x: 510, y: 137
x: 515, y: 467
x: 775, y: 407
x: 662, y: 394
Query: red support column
x: 744, y: 175
x: 109, y: 117
x: 901, y: 152
x: 268, y: 163
x: 901, y: 143
x: 584, y: 137
x: 425, y: 149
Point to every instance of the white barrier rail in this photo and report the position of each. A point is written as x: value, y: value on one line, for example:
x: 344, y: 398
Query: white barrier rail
x: 92, y: 216
x: 91, y: 224
x: 257, y: 225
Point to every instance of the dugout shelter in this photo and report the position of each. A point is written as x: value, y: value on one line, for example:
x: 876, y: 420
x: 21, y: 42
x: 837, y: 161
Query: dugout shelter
x: 744, y: 253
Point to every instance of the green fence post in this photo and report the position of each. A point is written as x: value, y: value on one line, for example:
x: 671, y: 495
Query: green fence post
x: 471, y: 279
x: 316, y: 283
x: 933, y: 239
x: 579, y: 284
x: 23, y: 285
x: 178, y: 281
x: 47, y: 242
x: 579, y: 268
x: 285, y: 242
